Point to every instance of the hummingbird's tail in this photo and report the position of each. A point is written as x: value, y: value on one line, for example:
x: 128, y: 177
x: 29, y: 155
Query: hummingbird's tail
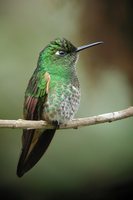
x: 35, y: 143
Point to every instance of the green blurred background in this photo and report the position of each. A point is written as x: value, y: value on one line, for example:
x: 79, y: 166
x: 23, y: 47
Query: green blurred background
x: 94, y: 162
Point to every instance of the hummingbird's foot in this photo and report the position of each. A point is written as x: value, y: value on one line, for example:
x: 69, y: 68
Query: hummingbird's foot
x: 56, y: 124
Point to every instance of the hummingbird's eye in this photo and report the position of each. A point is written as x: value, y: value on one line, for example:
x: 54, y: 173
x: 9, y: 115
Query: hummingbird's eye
x: 60, y: 53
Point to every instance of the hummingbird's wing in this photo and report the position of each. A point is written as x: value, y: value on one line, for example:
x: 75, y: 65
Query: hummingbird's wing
x: 34, y: 141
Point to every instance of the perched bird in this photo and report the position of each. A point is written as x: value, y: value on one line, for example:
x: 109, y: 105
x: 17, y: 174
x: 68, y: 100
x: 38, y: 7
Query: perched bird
x: 53, y: 95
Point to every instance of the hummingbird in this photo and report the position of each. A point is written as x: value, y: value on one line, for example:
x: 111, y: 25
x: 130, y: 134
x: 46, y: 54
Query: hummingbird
x: 53, y: 95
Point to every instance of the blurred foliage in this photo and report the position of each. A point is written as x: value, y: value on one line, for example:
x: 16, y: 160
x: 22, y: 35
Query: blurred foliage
x: 93, y: 162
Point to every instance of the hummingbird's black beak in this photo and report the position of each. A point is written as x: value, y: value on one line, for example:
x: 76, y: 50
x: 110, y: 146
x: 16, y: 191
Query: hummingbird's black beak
x: 88, y: 46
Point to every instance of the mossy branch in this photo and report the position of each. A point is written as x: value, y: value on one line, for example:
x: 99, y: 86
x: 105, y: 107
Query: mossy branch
x: 75, y: 123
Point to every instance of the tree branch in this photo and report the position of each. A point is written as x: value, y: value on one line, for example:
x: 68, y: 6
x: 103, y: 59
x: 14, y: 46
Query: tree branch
x: 75, y: 123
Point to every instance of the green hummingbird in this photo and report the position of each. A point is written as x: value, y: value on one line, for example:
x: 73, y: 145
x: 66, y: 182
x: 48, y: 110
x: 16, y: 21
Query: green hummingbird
x: 53, y: 95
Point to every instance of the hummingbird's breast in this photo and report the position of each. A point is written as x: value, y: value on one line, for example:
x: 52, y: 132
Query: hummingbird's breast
x: 62, y: 102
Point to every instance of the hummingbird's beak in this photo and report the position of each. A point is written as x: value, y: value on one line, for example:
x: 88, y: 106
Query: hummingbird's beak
x: 88, y: 46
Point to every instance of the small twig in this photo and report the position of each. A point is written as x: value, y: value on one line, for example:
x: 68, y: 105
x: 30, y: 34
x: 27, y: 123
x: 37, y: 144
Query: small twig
x: 75, y: 123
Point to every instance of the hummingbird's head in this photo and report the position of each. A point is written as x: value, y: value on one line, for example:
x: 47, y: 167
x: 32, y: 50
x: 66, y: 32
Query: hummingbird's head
x: 60, y: 55
x: 59, y: 52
